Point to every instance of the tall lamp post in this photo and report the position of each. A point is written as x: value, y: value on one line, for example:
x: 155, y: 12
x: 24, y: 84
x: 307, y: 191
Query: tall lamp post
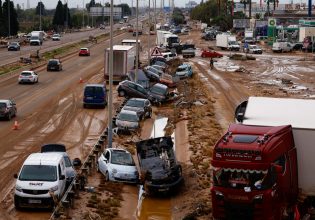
x: 137, y: 37
x: 9, y: 18
x: 40, y: 15
x: 110, y: 98
x: 149, y: 35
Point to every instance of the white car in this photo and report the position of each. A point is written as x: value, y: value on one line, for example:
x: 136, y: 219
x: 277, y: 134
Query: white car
x: 169, y: 56
x: 28, y: 77
x: 127, y: 120
x: 118, y: 165
x: 254, y: 49
x: 56, y: 37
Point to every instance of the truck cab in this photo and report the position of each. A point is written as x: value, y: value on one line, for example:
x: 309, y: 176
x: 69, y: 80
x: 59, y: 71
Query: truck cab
x: 254, y: 172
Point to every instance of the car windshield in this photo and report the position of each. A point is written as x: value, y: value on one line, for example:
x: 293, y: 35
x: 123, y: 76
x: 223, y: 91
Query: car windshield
x: 83, y: 49
x: 3, y: 105
x: 128, y: 117
x: 67, y: 161
x: 38, y: 173
x: 14, y: 43
x: 93, y: 90
x: 135, y: 103
x: 122, y: 158
x: 56, y: 35
x: 181, y: 69
x: 53, y: 62
x: 158, y: 90
x: 26, y: 74
x: 238, y: 179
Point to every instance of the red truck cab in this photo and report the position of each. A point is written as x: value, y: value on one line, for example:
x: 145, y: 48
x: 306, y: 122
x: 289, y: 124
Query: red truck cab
x: 254, y: 173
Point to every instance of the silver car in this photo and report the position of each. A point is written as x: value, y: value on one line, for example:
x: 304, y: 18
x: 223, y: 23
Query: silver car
x: 28, y: 77
x: 127, y: 120
x: 141, y: 106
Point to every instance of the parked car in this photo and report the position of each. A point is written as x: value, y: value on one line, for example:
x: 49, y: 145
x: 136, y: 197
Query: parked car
x: 159, y: 63
x: 158, y: 93
x: 211, y: 54
x: 54, y: 64
x: 155, y: 59
x: 135, y: 33
x: 84, y: 52
x: 142, y: 107
x: 158, y: 67
x: 297, y: 46
x: 7, y: 109
x: 127, y: 120
x: 184, y: 71
x: 152, y: 75
x: 94, y: 95
x: 60, y: 148
x: 14, y: 46
x: 142, y: 78
x: 169, y: 56
x: 56, y: 37
x: 281, y: 47
x: 118, y: 165
x: 28, y: 77
x: 169, y: 80
x: 254, y: 49
x: 154, y: 70
x: 130, y: 89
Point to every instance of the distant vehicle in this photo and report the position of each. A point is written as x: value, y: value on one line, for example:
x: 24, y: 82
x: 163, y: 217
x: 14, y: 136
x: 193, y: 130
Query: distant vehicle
x: 28, y: 77
x: 184, y: 71
x: 84, y: 51
x: 211, y: 54
x: 227, y: 41
x: 158, y: 93
x: 14, y: 46
x: 130, y: 89
x: 94, y: 95
x: 254, y: 49
x: 189, y: 52
x: 160, y: 59
x: 154, y: 70
x: 121, y: 22
x: 54, y: 64
x: 141, y: 106
x: 60, y: 148
x: 56, y: 37
x: 169, y: 80
x: 7, y: 109
x: 142, y: 78
x: 118, y: 165
x: 41, y: 175
x: 135, y: 32
x: 158, y: 165
x: 169, y: 56
x: 37, y: 38
x: 297, y: 46
x: 281, y: 47
x: 159, y: 63
x: 128, y: 120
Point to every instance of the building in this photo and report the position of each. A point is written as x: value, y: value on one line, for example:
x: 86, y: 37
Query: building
x: 191, y: 4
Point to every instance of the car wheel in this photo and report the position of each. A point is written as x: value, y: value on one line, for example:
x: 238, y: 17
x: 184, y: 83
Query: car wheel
x: 122, y: 93
x: 106, y: 176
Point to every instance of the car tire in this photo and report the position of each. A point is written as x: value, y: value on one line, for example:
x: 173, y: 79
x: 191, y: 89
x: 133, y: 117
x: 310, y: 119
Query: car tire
x: 121, y: 93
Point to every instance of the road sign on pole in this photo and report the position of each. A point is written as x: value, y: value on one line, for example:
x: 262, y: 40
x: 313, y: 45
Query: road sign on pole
x: 156, y: 52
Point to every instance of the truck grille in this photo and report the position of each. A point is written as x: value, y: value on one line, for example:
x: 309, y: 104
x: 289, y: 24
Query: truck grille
x: 239, y: 211
x: 35, y: 192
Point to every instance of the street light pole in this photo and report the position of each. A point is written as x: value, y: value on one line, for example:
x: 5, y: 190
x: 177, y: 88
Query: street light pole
x: 9, y: 18
x: 83, y: 15
x: 149, y: 34
x: 40, y: 15
x: 137, y: 37
x: 110, y: 98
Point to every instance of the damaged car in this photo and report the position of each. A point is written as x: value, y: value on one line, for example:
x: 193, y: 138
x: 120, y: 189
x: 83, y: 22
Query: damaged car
x: 160, y: 171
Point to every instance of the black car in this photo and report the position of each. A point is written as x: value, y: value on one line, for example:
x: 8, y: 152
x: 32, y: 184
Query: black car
x: 14, y: 46
x: 54, y: 64
x: 141, y: 106
x: 7, y: 109
x: 297, y: 46
x: 130, y: 89
x: 158, y: 93
x: 154, y: 59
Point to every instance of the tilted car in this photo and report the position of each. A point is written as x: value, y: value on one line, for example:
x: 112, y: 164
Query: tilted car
x: 211, y: 54
x: 14, y: 46
x: 130, y: 89
x: 54, y: 64
x: 84, y: 52
x: 158, y: 93
x: 142, y: 107
x: 28, y: 77
x: 127, y: 120
x: 254, y: 49
x: 7, y: 109
x: 118, y: 165
x: 184, y: 71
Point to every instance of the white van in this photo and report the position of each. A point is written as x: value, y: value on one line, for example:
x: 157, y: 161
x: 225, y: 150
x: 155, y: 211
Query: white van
x: 169, y: 56
x: 41, y: 175
x: 281, y: 47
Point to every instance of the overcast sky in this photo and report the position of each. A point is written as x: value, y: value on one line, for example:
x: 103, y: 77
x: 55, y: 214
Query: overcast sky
x: 50, y: 4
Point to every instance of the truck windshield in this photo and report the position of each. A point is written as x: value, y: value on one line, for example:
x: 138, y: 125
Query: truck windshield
x: 238, y: 179
x: 34, y: 37
x: 38, y: 173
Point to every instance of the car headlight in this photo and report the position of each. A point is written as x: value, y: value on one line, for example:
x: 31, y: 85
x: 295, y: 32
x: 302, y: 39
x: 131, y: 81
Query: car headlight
x: 53, y: 189
x: 18, y: 188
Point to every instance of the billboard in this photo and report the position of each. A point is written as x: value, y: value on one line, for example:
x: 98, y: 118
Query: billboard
x: 100, y: 11
x: 241, y: 23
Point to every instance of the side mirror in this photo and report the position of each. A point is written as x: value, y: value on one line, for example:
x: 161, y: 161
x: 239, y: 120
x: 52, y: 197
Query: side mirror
x: 15, y: 176
x: 62, y: 177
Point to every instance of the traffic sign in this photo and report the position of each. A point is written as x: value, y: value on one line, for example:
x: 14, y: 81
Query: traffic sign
x: 156, y: 52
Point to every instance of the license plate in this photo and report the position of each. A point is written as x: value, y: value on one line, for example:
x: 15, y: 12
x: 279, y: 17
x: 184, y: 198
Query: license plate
x: 89, y: 98
x: 163, y: 190
x: 34, y: 201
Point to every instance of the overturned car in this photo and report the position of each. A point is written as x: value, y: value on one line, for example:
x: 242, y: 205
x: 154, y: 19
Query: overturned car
x: 160, y: 171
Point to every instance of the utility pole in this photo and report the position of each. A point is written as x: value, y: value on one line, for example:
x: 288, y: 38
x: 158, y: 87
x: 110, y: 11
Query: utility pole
x: 40, y: 15
x: 155, y: 16
x: 110, y: 98
x: 149, y: 35
x: 83, y: 15
x: 9, y: 18
x: 137, y: 37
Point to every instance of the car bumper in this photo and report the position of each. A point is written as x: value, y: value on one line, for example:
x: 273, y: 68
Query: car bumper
x: 34, y: 202
x: 163, y: 187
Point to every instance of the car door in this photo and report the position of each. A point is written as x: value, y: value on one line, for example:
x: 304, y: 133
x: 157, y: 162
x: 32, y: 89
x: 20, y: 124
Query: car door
x: 103, y: 163
x: 61, y: 182
x: 142, y: 92
x: 132, y: 90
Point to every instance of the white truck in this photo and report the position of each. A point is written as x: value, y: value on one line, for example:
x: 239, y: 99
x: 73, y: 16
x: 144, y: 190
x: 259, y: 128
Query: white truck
x: 37, y: 37
x: 281, y: 47
x: 123, y: 61
x: 160, y: 38
x: 249, y: 37
x: 227, y: 41
x: 306, y: 32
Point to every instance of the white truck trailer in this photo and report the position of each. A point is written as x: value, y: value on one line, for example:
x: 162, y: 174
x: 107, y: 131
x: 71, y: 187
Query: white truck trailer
x: 37, y: 37
x: 123, y: 61
x: 160, y: 38
x: 306, y: 32
x: 227, y: 41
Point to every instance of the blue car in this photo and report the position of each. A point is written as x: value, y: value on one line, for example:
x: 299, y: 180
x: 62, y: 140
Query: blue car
x: 184, y: 71
x: 94, y: 95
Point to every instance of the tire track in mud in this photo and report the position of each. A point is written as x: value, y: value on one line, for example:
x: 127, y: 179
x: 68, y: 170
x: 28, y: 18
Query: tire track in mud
x: 227, y: 98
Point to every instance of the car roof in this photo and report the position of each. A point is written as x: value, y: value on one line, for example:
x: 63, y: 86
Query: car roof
x: 54, y: 60
x: 84, y: 48
x: 138, y: 99
x: 43, y: 159
x: 4, y: 101
x: 128, y: 112
x: 160, y: 85
x: 94, y: 85
x: 27, y: 71
x: 118, y: 149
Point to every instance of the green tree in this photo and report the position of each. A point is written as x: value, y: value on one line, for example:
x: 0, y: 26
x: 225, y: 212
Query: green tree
x: 40, y: 9
x: 67, y: 17
x: 2, y: 29
x: 11, y: 24
x: 91, y: 4
x: 58, y: 20
x: 125, y: 9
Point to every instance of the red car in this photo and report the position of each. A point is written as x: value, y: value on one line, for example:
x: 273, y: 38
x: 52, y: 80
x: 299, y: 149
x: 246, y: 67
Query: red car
x: 84, y: 52
x: 211, y: 53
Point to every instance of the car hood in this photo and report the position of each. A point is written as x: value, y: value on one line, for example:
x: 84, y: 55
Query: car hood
x: 122, y: 168
x: 126, y: 124
x: 135, y: 109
